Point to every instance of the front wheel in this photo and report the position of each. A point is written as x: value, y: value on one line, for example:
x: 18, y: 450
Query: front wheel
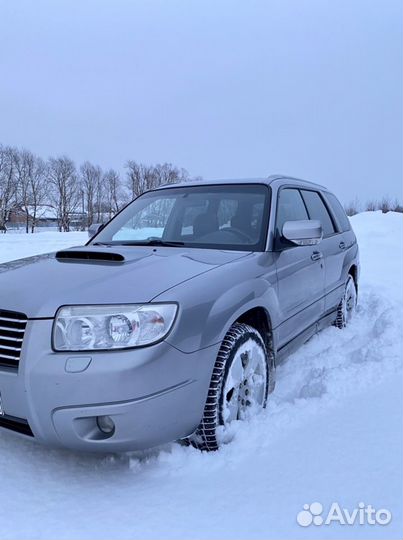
x: 239, y: 384
x: 346, y: 308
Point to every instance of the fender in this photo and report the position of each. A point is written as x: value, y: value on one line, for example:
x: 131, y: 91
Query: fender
x: 211, y: 304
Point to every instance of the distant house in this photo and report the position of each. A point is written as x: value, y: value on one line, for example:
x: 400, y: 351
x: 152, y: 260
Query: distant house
x: 46, y: 216
x: 78, y: 220
x: 15, y: 217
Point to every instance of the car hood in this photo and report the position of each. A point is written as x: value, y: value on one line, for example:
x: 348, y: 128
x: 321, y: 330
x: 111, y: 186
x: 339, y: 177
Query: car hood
x: 38, y: 286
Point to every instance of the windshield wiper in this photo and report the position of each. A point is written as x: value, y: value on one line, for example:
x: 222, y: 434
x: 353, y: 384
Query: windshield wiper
x: 152, y: 242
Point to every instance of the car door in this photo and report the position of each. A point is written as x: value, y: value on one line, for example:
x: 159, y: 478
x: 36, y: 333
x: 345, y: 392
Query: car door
x: 300, y: 272
x: 332, y: 247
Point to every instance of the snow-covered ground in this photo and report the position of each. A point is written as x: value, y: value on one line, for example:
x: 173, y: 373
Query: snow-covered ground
x: 19, y: 245
x: 332, y: 433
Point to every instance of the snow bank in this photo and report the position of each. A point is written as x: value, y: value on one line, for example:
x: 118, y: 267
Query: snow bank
x: 332, y: 433
x: 17, y: 246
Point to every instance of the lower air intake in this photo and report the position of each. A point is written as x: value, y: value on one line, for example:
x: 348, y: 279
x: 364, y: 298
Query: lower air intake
x: 19, y: 425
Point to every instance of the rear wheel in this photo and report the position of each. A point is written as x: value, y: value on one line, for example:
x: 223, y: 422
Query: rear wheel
x: 239, y: 384
x: 346, y: 308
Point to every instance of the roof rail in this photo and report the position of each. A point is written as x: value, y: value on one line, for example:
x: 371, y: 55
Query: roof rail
x: 274, y: 177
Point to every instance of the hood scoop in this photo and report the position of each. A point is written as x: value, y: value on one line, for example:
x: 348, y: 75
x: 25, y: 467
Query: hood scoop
x: 96, y: 256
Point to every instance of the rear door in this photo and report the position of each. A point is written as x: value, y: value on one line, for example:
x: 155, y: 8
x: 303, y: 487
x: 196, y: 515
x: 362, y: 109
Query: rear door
x: 300, y: 273
x: 332, y: 247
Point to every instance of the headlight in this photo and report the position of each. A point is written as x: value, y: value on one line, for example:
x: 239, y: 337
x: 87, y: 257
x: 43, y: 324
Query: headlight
x: 87, y: 328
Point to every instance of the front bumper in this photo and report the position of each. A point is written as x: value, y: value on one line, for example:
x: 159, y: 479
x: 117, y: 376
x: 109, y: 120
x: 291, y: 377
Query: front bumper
x: 153, y: 394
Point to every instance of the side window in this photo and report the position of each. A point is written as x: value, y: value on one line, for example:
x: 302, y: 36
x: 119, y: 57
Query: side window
x: 317, y: 210
x: 290, y: 207
x: 338, y: 211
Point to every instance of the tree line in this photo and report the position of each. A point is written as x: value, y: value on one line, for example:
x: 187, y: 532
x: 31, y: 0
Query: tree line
x: 28, y: 183
x: 385, y: 205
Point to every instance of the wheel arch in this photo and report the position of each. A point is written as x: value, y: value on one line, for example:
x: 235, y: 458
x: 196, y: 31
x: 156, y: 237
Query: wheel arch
x: 259, y: 318
x: 353, y: 272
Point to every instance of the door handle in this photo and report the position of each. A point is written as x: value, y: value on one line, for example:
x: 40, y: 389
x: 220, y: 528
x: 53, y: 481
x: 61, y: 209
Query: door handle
x: 342, y: 245
x: 316, y: 255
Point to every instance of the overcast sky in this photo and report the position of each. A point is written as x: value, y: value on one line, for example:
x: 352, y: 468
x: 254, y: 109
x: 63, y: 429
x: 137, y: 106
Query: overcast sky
x: 224, y: 88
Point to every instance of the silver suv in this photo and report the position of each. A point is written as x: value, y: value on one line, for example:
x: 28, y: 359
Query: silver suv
x: 169, y: 323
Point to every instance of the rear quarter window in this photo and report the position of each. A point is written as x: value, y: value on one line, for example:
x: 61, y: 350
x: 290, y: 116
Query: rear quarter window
x: 338, y: 211
x: 317, y: 210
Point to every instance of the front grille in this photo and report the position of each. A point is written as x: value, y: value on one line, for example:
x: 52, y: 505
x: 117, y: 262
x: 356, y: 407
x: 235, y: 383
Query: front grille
x: 12, y: 329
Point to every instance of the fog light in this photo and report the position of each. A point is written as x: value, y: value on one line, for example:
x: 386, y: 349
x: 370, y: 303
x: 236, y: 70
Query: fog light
x: 106, y: 424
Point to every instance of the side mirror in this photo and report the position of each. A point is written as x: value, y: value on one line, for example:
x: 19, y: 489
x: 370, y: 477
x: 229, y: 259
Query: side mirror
x: 94, y: 229
x: 306, y: 232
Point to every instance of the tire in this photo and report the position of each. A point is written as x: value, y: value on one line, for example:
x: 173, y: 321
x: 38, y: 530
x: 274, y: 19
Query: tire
x: 346, y: 308
x: 229, y: 397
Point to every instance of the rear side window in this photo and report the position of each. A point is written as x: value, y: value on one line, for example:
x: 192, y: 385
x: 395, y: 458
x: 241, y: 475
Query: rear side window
x: 317, y: 210
x: 339, y: 212
x: 290, y: 207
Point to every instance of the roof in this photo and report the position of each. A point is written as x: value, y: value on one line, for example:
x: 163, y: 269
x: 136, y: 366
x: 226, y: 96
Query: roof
x: 272, y: 179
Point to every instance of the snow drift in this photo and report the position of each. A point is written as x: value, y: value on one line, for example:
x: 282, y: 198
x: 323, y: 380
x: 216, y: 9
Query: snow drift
x: 332, y: 433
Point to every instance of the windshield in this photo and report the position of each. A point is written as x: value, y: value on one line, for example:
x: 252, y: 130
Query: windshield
x: 230, y: 217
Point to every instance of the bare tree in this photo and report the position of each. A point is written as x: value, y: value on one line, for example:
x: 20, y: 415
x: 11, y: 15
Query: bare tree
x: 8, y: 184
x: 169, y: 174
x: 352, y: 207
x: 65, y: 193
x: 23, y: 162
x: 141, y: 178
x: 90, y: 176
x: 99, y: 195
x: 385, y: 205
x: 37, y: 190
x: 31, y: 184
x: 114, y: 196
x: 397, y: 206
x: 371, y: 206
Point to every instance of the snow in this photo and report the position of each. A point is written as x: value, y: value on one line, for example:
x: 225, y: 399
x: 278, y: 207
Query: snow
x: 18, y: 245
x: 332, y: 433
